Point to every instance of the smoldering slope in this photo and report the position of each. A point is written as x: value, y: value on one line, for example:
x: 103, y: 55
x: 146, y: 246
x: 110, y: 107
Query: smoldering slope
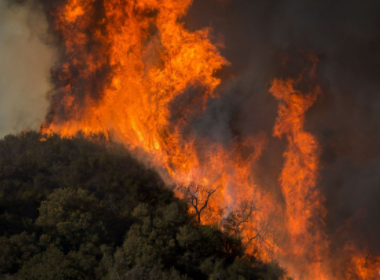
x: 259, y: 36
x: 25, y: 61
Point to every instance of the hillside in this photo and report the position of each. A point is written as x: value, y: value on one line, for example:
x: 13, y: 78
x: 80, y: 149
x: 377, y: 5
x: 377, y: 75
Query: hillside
x: 80, y: 209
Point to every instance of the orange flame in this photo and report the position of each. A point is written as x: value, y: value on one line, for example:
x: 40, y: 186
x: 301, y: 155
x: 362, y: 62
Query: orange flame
x: 362, y: 265
x: 305, y: 242
x: 125, y: 65
x: 154, y: 59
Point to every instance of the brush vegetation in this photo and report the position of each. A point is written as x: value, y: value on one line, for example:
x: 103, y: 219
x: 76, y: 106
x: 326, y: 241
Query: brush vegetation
x: 85, y: 209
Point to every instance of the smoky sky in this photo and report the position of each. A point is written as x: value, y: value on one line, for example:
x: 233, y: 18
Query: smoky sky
x: 345, y: 35
x: 25, y: 61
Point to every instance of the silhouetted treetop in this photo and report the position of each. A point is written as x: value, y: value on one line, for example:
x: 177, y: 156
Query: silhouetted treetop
x: 87, y: 209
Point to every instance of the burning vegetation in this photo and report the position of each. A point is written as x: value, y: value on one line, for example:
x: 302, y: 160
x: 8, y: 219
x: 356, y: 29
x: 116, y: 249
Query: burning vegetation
x: 87, y: 209
x: 131, y: 71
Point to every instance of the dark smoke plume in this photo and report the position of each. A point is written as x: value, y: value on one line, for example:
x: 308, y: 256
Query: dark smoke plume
x: 345, y: 35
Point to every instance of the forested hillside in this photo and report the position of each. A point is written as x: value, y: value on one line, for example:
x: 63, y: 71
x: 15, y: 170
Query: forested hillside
x: 80, y: 209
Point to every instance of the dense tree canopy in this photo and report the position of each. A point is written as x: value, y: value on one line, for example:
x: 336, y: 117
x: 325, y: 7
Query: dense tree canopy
x: 86, y: 209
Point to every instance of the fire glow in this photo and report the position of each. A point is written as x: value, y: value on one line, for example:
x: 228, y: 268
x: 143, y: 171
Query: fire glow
x: 125, y: 62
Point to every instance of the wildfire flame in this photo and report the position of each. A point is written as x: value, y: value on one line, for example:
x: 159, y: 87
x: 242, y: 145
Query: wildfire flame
x: 304, y: 203
x: 124, y: 66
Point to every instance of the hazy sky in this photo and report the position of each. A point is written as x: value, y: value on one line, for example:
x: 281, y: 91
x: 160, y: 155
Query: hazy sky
x: 24, y: 69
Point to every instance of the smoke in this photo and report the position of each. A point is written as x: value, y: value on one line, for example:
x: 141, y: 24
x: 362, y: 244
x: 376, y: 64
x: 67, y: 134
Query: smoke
x: 264, y: 40
x: 25, y: 61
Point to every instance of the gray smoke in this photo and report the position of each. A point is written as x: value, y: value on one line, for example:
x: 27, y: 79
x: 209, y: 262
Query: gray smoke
x: 258, y: 36
x: 25, y: 61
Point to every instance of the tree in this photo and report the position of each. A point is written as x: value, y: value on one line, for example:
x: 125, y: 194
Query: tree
x: 71, y: 217
x: 242, y: 223
x: 86, y: 209
x: 198, y: 197
x: 237, y: 219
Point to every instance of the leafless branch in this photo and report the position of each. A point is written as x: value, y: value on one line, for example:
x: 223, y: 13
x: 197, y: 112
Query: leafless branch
x: 198, y: 197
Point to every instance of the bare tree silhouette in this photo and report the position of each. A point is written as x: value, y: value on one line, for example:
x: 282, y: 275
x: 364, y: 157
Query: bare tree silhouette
x: 198, y: 197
